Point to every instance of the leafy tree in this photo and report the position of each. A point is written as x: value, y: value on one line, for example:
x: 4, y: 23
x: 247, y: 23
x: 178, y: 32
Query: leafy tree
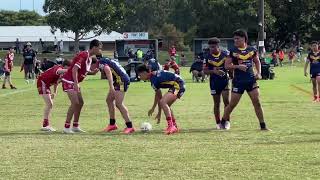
x: 83, y: 16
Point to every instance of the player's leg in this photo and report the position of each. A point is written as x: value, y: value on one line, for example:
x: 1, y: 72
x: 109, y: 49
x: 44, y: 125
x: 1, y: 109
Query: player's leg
x: 77, y: 112
x: 74, y: 110
x: 174, y: 121
x: 314, y: 88
x: 254, y: 96
x: 216, y: 109
x: 119, y: 97
x: 195, y: 73
x: 318, y: 87
x: 4, y: 81
x: 47, y: 112
x: 235, y: 98
x: 26, y: 73
x: 10, y: 82
x: 112, y: 117
x: 168, y: 98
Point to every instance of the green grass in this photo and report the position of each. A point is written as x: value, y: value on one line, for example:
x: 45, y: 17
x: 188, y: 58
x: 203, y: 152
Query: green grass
x: 290, y: 151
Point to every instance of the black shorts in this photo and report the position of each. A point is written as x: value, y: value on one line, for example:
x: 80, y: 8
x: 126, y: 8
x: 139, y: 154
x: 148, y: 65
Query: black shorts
x: 314, y: 75
x: 7, y: 73
x: 240, y: 87
x: 219, y: 85
x: 121, y: 86
x: 179, y: 89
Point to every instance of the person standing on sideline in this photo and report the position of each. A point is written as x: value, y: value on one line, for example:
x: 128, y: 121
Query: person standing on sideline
x: 61, y: 46
x: 17, y: 46
x: 28, y: 64
x: 55, y: 43
x: 8, y: 66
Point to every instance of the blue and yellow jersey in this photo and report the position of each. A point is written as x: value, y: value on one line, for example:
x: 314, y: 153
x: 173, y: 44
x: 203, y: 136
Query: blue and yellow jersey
x: 244, y: 57
x: 118, y: 72
x: 217, y: 61
x: 165, y: 79
x: 314, y: 59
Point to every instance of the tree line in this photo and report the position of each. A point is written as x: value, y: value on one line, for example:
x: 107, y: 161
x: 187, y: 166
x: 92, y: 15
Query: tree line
x: 178, y: 21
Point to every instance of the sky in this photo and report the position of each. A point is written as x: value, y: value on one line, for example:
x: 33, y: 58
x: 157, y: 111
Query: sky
x: 14, y: 5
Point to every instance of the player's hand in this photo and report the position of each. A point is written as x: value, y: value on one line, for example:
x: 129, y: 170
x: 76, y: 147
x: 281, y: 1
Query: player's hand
x: 53, y: 95
x: 158, y: 118
x: 242, y: 67
x: 150, y: 112
x: 305, y: 74
x: 21, y: 69
x: 112, y: 91
x: 220, y: 73
x: 258, y: 76
x: 96, y: 70
x: 76, y: 87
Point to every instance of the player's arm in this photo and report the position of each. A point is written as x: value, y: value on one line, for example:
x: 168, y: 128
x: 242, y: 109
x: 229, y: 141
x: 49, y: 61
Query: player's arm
x: 257, y: 64
x: 6, y: 64
x: 109, y: 76
x: 306, y: 67
x: 61, y: 71
x: 230, y: 66
x: 75, y: 70
x: 157, y: 97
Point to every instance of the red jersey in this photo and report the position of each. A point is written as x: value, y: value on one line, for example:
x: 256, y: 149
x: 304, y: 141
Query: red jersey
x: 173, y: 65
x: 81, y: 60
x: 274, y: 55
x: 172, y: 52
x: 50, y: 76
x: 9, y: 58
x: 291, y: 55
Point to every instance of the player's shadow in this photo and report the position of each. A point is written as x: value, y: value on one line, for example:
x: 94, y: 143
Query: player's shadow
x: 95, y: 133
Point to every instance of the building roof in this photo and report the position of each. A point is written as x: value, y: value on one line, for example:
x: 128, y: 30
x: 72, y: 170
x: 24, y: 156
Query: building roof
x: 34, y: 33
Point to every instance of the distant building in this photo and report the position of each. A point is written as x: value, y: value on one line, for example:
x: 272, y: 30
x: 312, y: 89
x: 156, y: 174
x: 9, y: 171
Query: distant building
x: 9, y: 34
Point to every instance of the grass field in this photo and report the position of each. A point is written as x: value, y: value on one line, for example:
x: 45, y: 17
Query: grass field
x: 290, y: 151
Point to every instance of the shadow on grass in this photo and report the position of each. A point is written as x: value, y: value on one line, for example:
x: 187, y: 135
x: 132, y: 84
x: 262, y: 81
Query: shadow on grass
x: 116, y: 133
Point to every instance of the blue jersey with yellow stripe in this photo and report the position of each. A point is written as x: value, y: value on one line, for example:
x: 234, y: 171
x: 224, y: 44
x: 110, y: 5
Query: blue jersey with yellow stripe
x: 245, y: 57
x: 164, y: 79
x: 314, y: 59
x: 118, y: 72
x: 217, y: 61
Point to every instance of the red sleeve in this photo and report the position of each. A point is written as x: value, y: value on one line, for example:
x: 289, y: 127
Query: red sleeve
x: 81, y: 57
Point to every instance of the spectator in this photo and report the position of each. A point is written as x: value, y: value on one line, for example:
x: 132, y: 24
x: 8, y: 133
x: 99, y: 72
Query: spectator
x: 59, y: 59
x: 172, y: 51
x: 291, y: 56
x: 139, y: 54
x: 281, y: 56
x: 131, y: 55
x: 37, y: 67
x: 61, y: 46
x: 274, y: 57
x: 28, y: 64
x: 183, y: 61
x: 55, y: 43
x: 115, y: 54
x: 171, y: 63
x: 8, y: 67
x: 41, y: 47
x: 17, y: 46
x: 197, y: 70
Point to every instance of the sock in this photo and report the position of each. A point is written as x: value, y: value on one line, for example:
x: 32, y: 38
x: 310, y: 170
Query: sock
x: 223, y: 122
x: 263, y: 125
x: 67, y: 125
x: 169, y: 121
x: 173, y: 120
x: 315, y: 97
x: 112, y: 121
x: 45, y: 123
x: 75, y: 124
x: 218, y: 121
x: 129, y: 124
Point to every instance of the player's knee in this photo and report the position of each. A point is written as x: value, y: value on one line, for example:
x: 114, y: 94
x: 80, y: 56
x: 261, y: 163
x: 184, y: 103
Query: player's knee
x: 256, y: 103
x: 163, y: 103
